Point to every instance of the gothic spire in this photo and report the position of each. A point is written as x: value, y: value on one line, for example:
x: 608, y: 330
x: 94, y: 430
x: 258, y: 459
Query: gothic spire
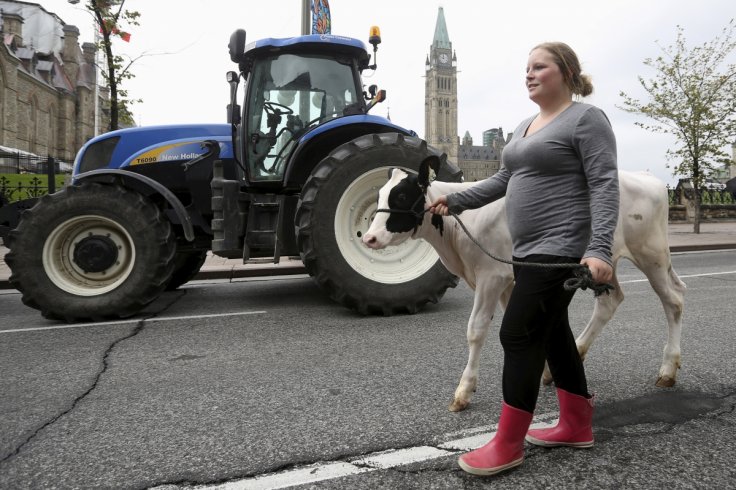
x: 441, y: 38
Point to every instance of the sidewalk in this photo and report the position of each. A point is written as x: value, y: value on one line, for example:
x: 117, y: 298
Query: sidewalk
x: 712, y: 236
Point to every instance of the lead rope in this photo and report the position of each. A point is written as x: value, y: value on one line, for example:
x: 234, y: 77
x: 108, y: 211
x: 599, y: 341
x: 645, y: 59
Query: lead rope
x: 583, y: 277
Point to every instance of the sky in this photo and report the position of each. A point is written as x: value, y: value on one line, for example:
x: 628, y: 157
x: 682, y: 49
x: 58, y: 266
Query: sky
x: 181, y: 77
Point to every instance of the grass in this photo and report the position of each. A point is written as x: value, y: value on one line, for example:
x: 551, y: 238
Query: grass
x: 15, y: 187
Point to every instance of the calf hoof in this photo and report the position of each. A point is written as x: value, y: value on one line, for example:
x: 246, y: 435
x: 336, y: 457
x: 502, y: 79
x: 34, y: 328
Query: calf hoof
x: 665, y: 382
x: 547, y: 379
x: 458, y: 405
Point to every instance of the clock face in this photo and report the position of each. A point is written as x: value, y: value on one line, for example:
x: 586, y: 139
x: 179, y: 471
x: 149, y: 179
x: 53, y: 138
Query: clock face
x: 444, y: 58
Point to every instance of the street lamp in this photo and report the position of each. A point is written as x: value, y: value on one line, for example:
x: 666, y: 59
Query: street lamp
x: 306, y: 18
x: 97, y: 85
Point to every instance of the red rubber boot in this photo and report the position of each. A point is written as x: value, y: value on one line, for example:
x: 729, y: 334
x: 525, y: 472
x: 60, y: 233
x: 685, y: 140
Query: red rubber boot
x: 506, y: 449
x: 575, y: 427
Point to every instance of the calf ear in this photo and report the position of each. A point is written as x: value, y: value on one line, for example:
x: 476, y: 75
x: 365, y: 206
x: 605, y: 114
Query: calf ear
x: 390, y: 172
x: 430, y: 162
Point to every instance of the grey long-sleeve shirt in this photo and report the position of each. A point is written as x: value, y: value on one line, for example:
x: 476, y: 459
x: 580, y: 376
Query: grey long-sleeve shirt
x: 561, y: 186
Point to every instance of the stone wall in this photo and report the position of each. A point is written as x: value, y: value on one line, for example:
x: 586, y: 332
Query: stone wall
x: 47, y: 99
x: 685, y: 213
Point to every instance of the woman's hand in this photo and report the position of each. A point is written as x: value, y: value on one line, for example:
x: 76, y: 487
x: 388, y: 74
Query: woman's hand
x: 601, y: 270
x: 439, y: 206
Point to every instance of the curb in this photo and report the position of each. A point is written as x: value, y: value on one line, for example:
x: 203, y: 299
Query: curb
x: 702, y: 248
x: 239, y: 273
x: 227, y: 273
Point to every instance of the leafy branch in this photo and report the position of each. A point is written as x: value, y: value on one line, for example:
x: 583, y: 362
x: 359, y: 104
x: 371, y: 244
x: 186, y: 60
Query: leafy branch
x: 692, y: 96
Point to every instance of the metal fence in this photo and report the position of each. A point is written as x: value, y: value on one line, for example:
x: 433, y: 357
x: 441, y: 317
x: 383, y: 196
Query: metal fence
x: 24, y: 176
x: 678, y: 195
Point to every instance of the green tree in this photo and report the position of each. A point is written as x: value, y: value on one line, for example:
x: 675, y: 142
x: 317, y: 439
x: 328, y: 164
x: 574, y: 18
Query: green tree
x: 111, y: 19
x: 693, y: 97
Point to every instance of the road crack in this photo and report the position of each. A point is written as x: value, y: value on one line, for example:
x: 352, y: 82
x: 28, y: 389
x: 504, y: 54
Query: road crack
x: 104, y: 366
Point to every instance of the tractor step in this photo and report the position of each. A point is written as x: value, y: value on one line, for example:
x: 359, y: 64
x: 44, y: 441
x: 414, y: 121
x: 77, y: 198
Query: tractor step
x: 229, y: 211
x: 262, y: 239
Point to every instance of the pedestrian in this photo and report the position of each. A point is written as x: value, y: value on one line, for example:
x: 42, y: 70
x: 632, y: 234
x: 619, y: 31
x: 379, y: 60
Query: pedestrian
x: 559, y: 176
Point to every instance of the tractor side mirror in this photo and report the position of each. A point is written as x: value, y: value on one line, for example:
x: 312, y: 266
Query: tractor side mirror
x: 380, y: 97
x: 236, y: 46
x: 371, y: 94
x: 233, y: 109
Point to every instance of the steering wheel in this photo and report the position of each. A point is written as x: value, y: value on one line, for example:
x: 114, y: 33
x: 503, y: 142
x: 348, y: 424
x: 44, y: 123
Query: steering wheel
x: 271, y: 109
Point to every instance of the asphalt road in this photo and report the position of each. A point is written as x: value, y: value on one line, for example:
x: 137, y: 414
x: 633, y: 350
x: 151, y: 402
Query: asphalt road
x: 262, y: 383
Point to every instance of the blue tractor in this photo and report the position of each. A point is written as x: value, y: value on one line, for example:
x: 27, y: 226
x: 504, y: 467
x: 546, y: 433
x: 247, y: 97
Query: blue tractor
x: 294, y: 172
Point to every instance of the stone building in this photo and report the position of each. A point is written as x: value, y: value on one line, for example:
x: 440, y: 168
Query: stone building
x: 441, y: 114
x: 47, y: 83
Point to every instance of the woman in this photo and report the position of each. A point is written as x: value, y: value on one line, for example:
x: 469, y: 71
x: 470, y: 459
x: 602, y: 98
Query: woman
x: 560, y: 180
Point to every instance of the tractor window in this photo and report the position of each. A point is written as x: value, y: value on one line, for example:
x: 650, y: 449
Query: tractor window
x: 289, y: 95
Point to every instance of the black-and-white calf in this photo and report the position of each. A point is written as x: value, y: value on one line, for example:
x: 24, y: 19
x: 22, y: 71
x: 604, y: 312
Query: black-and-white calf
x: 641, y: 237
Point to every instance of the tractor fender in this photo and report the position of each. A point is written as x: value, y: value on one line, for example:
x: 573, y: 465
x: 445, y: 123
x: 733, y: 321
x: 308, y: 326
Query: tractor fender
x: 149, y: 186
x: 317, y: 144
x: 354, y: 120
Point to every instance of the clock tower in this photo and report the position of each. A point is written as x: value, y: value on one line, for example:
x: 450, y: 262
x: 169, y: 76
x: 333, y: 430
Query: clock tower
x: 440, y: 92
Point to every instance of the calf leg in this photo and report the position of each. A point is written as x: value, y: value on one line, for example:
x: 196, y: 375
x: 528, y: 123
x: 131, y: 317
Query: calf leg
x: 671, y: 292
x: 605, y: 307
x: 486, y: 298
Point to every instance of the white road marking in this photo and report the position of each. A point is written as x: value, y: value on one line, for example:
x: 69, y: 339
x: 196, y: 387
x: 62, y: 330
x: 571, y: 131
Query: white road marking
x: 371, y: 462
x: 399, y: 457
x: 300, y: 476
x: 475, y: 441
x: 134, y: 320
x: 682, y: 277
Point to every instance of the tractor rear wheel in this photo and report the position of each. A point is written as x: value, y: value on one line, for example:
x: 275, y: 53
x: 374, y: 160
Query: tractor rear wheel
x: 91, y: 251
x: 338, y: 203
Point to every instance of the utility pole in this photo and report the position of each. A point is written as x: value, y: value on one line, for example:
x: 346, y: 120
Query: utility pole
x: 306, y: 17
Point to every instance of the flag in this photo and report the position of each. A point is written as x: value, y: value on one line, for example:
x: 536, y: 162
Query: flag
x: 125, y: 36
x: 321, y: 23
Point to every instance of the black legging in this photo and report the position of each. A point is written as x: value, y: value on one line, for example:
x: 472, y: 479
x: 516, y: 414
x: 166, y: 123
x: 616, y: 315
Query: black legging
x: 535, y: 327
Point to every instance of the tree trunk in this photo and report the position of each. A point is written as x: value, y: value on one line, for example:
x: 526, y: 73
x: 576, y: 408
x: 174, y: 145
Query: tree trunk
x: 111, y: 76
x: 696, y: 192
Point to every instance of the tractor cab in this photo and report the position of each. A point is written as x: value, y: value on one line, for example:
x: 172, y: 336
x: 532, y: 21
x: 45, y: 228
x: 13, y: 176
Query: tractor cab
x: 289, y: 94
x: 292, y: 86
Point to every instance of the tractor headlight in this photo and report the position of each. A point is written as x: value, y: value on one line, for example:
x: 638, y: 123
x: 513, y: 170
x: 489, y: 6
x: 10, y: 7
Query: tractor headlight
x: 98, y: 155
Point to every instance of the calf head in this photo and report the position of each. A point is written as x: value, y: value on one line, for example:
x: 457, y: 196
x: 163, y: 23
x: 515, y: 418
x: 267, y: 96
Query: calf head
x: 401, y: 203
